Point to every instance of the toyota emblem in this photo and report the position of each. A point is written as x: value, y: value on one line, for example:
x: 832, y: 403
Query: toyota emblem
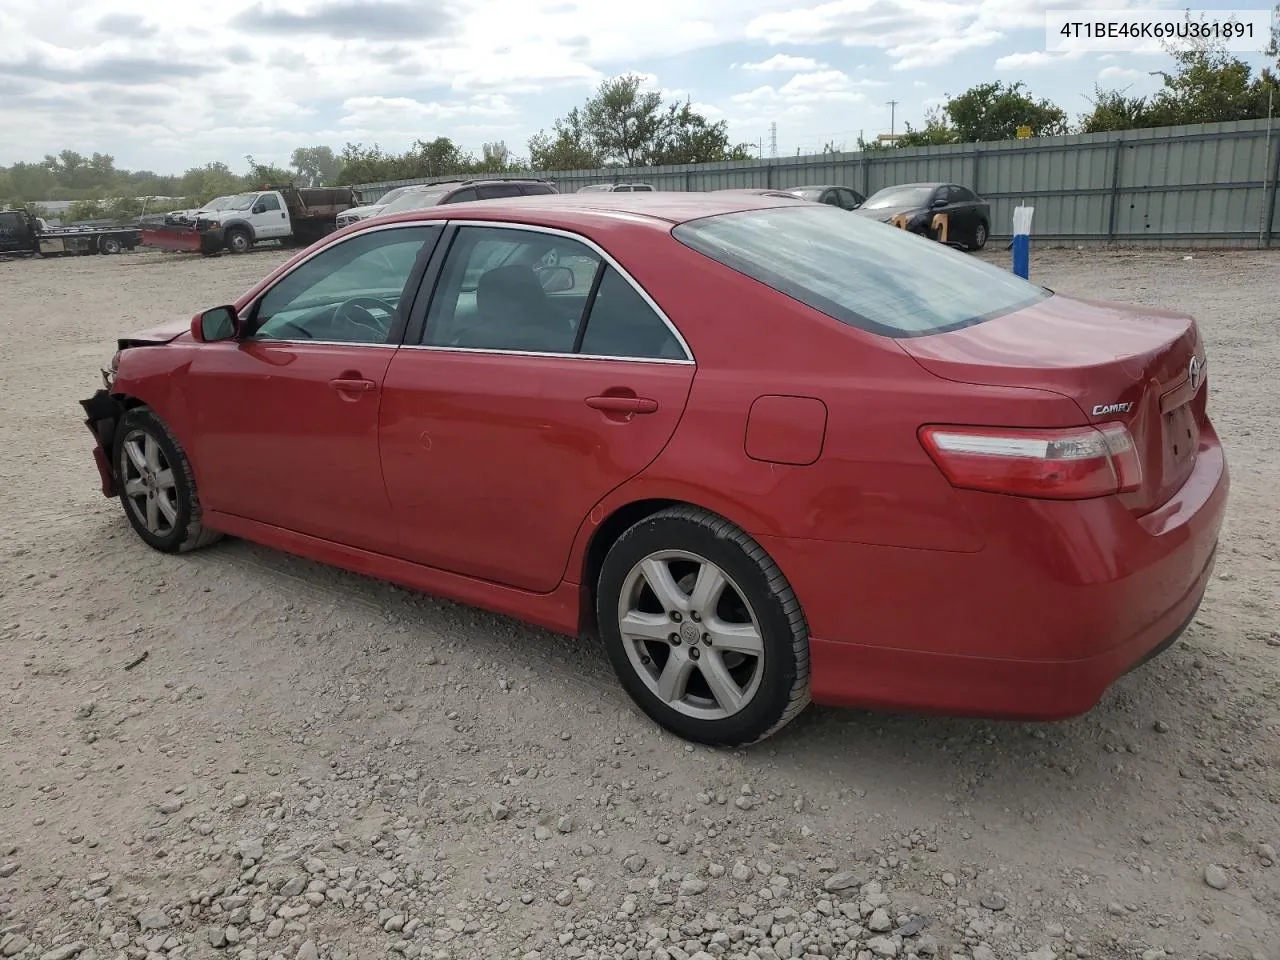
x: 1194, y: 373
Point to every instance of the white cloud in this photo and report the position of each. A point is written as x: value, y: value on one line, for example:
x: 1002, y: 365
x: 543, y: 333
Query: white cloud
x: 783, y: 63
x: 913, y: 33
x: 1119, y: 73
x: 166, y: 85
x: 1035, y: 58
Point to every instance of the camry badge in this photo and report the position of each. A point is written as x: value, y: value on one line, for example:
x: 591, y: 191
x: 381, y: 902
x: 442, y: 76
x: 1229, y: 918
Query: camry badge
x: 1195, y: 371
x: 1103, y: 409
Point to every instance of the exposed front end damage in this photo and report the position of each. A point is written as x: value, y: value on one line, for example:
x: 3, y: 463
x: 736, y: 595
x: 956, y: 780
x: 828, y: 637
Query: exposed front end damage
x: 103, y: 413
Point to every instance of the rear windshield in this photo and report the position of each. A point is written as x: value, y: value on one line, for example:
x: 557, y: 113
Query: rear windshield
x: 860, y: 271
x: 417, y: 200
x: 899, y: 197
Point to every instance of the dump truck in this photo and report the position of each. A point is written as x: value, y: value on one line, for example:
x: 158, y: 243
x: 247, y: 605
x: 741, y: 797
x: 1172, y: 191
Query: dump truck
x: 297, y: 215
x: 24, y: 234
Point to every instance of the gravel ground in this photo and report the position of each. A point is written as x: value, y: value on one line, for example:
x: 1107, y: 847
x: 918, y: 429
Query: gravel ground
x: 308, y: 764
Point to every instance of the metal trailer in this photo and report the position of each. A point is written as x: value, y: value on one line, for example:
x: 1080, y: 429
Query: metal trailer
x: 23, y: 234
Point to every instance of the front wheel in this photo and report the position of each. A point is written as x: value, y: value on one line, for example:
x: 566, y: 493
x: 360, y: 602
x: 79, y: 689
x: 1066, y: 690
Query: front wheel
x: 703, y: 630
x: 156, y: 485
x: 238, y: 241
x: 111, y: 245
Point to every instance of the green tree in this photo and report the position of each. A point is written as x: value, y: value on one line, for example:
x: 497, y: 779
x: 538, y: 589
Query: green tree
x: 201, y: 184
x: 265, y: 174
x: 623, y: 125
x: 567, y: 147
x: 1209, y: 86
x: 1113, y: 110
x: 935, y: 131
x: 994, y: 111
x: 315, y: 166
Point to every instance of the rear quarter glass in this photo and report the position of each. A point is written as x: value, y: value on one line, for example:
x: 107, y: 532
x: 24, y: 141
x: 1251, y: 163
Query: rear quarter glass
x: 863, y: 273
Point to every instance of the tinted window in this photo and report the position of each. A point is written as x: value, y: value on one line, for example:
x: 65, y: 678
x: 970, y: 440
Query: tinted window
x: 413, y: 200
x: 462, y: 196
x: 962, y: 193
x: 347, y: 293
x: 849, y: 199
x: 861, y: 272
x: 269, y: 202
x: 642, y: 188
x: 506, y: 289
x: 830, y: 197
x: 622, y: 324
x: 492, y: 191
x: 901, y: 197
x: 537, y: 188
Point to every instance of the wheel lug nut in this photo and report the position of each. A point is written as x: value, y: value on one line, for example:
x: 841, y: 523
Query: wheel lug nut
x: 706, y: 638
x: 675, y: 615
x: 693, y: 653
x: 675, y: 639
x: 695, y: 616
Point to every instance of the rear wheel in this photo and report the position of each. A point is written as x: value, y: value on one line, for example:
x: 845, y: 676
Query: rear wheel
x: 979, y: 236
x: 239, y: 241
x: 157, y: 487
x: 702, y: 629
x: 111, y: 245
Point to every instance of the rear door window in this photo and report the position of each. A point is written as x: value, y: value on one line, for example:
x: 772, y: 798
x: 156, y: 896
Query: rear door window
x: 858, y: 271
x: 492, y: 191
x: 536, y: 188
x: 462, y: 196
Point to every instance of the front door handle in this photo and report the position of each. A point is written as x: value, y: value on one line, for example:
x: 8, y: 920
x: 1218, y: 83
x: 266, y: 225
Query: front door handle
x: 343, y: 385
x: 622, y: 404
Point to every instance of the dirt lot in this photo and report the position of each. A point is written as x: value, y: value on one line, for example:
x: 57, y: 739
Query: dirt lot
x: 310, y: 765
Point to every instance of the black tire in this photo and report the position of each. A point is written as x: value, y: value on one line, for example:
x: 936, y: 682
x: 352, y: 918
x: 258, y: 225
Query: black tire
x: 239, y: 241
x: 783, y: 688
x: 186, y: 531
x: 980, y: 236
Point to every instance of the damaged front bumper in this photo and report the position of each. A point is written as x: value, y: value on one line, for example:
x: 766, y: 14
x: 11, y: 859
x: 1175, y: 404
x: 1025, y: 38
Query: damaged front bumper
x: 103, y: 412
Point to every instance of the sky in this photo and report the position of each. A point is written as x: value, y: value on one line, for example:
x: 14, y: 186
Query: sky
x: 168, y: 84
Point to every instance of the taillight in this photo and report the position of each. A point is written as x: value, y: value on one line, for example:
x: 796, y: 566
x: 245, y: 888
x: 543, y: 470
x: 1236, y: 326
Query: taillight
x: 1075, y: 463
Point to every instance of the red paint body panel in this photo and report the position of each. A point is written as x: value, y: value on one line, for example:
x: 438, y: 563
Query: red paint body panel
x: 492, y: 462
x: 484, y: 476
x: 786, y: 429
x: 277, y: 443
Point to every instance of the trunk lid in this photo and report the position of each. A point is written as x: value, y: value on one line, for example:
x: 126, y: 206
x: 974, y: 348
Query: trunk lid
x: 1116, y: 362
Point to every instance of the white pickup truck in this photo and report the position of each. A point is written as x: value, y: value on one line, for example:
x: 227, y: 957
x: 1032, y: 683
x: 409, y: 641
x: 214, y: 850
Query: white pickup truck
x: 236, y: 223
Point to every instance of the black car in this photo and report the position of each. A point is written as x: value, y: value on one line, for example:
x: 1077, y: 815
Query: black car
x: 845, y: 198
x: 968, y: 215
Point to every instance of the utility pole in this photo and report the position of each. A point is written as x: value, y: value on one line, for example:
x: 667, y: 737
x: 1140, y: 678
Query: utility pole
x: 773, y: 138
x: 893, y: 114
x: 760, y: 148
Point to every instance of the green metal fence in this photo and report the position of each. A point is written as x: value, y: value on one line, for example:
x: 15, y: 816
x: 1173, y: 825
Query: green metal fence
x: 1208, y: 184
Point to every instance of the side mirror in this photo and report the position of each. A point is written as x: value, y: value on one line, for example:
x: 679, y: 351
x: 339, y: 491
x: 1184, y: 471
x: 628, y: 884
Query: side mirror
x: 218, y: 323
x: 556, y: 279
x: 939, y: 202
x: 258, y: 208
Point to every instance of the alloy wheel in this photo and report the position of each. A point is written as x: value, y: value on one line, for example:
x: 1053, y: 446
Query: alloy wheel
x: 690, y: 635
x: 150, y: 487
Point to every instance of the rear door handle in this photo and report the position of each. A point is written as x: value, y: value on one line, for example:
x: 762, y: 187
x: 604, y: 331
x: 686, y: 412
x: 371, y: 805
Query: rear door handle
x: 616, y: 404
x: 352, y: 386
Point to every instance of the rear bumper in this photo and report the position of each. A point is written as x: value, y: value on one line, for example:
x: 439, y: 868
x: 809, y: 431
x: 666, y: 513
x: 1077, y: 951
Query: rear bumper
x: 1064, y: 599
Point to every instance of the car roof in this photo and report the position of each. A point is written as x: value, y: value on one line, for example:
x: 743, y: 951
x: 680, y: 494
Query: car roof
x: 570, y: 210
x: 922, y: 183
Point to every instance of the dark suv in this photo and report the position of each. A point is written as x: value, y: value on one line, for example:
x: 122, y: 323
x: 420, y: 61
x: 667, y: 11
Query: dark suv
x: 461, y: 191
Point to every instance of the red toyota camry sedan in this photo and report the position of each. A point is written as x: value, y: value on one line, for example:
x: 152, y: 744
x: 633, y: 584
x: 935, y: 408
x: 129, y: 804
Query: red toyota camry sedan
x: 764, y: 451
